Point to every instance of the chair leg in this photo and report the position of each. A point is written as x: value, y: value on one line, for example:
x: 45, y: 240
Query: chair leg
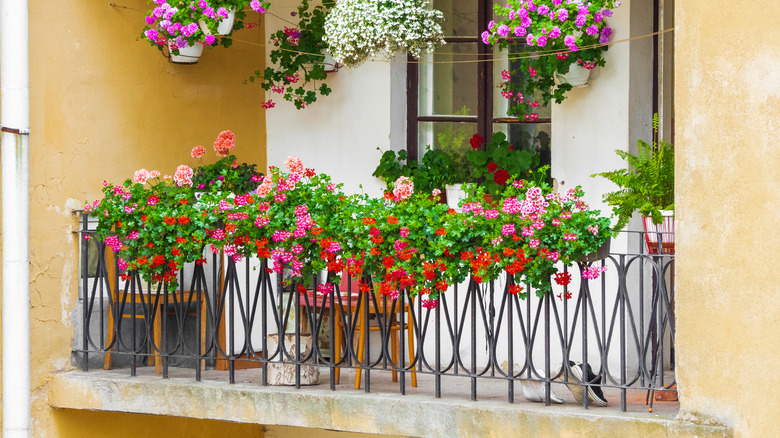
x: 361, y: 346
x: 157, y: 339
x: 395, y: 347
x: 410, y: 341
x: 203, y: 315
x: 336, y: 353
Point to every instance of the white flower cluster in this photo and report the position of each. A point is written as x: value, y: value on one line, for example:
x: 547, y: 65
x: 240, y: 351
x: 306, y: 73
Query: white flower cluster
x: 357, y: 30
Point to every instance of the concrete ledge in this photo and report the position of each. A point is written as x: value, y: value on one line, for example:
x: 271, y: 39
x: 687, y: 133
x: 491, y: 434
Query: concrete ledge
x: 354, y: 411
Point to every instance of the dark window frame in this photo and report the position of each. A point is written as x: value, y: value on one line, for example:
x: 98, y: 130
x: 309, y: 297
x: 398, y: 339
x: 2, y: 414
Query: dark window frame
x: 486, y: 91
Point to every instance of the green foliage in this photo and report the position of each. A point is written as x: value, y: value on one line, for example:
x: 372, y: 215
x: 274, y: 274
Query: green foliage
x: 499, y: 162
x: 647, y: 186
x: 434, y: 171
x: 222, y: 176
x: 296, y: 60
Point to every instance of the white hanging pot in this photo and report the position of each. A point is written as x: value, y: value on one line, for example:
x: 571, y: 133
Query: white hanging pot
x: 576, y: 77
x: 187, y: 55
x: 329, y: 63
x: 225, y: 25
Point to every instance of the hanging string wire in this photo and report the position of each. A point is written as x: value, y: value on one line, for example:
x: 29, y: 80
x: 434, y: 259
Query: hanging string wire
x: 467, y: 61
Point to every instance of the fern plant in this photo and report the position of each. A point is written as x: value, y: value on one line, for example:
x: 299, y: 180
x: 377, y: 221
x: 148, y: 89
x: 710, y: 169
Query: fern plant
x: 647, y: 186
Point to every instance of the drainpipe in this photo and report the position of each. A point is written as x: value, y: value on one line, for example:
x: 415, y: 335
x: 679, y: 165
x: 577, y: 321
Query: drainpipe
x: 14, y: 142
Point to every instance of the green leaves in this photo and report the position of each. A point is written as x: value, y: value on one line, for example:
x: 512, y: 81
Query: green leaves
x: 647, y: 186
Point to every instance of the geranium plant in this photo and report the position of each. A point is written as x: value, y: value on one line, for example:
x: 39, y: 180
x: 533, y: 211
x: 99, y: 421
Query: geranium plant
x: 297, y: 60
x: 226, y: 174
x: 550, y: 36
x: 300, y: 221
x: 357, y: 30
x: 178, y: 24
x: 498, y: 161
x: 434, y: 171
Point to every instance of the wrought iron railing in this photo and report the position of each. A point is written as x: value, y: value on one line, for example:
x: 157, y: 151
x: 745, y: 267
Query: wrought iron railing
x: 223, y: 314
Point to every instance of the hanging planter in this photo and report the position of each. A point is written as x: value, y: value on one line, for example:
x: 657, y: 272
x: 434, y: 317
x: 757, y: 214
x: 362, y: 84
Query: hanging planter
x: 224, y: 26
x: 576, y: 77
x: 187, y: 55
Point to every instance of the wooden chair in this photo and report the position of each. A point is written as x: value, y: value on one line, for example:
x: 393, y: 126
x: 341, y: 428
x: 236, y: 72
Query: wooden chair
x: 393, y: 319
x: 137, y: 298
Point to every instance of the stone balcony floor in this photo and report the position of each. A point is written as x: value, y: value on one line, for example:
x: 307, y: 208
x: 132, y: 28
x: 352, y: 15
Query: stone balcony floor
x: 383, y: 411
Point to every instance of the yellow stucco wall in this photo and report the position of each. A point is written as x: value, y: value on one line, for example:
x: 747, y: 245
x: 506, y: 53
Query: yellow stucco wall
x: 104, y: 104
x: 728, y: 211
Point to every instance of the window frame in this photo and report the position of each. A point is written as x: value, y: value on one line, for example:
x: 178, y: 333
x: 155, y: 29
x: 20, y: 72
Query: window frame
x: 486, y: 91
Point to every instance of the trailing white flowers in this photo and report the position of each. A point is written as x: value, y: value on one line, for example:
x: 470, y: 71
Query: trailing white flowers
x: 357, y: 30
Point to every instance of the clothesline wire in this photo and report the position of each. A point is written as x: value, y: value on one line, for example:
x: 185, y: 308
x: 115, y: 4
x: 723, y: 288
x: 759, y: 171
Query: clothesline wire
x: 468, y: 61
x: 508, y: 58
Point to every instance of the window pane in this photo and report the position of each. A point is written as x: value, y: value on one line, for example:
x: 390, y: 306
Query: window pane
x: 448, y: 88
x: 532, y: 137
x: 451, y: 137
x: 502, y: 63
x: 460, y: 17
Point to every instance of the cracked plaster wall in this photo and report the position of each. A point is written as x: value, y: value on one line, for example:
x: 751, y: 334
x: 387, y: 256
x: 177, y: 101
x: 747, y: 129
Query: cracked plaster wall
x: 727, y: 104
x: 103, y: 105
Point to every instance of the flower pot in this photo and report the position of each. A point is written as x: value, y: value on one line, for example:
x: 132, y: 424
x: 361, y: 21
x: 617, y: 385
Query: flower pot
x: 330, y: 64
x: 225, y: 25
x: 665, y: 230
x: 187, y: 55
x: 283, y: 374
x: 576, y: 77
x: 454, y: 194
x: 601, y: 253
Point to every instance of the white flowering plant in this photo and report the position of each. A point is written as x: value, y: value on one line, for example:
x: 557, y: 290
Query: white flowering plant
x: 356, y: 30
x: 552, y: 36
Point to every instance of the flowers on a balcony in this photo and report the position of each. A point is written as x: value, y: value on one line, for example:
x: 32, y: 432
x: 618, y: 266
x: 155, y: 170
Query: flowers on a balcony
x: 546, y: 38
x: 300, y: 220
x: 357, y: 30
x: 494, y: 164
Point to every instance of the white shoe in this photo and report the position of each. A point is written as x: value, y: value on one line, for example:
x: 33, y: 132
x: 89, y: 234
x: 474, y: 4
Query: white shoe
x: 534, y: 391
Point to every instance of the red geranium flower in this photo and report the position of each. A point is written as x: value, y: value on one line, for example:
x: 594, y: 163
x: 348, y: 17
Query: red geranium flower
x: 476, y: 140
x: 492, y: 167
x: 500, y: 177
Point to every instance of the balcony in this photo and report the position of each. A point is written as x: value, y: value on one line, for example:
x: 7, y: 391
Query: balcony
x: 218, y: 334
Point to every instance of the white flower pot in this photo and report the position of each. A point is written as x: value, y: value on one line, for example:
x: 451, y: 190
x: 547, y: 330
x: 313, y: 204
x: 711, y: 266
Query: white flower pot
x: 454, y: 195
x: 576, y: 77
x: 225, y: 25
x: 329, y: 63
x: 187, y: 55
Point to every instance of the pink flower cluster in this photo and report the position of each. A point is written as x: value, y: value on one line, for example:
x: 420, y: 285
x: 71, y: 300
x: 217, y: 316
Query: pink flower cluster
x: 593, y: 272
x: 183, y: 176
x: 224, y: 142
x: 198, y: 151
x: 294, y: 165
x: 402, y: 188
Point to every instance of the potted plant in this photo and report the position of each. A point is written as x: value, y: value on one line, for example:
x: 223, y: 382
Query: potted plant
x: 433, y: 172
x: 647, y: 186
x: 498, y: 162
x: 357, y: 30
x: 553, y: 38
x: 184, y: 28
x: 298, y: 60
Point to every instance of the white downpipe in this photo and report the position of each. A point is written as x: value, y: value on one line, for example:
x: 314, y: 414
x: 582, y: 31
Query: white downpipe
x: 15, y: 141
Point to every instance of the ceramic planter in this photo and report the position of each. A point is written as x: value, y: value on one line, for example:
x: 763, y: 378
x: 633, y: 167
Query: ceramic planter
x: 576, y: 77
x: 225, y: 25
x: 187, y: 55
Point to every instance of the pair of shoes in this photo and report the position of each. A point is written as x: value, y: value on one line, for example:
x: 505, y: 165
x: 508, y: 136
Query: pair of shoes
x: 534, y: 391
x: 581, y: 375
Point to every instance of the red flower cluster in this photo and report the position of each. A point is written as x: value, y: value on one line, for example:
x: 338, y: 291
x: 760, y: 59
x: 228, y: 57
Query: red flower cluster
x: 475, y: 141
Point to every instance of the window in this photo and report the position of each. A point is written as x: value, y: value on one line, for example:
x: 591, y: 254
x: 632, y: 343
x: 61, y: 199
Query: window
x: 452, y: 93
